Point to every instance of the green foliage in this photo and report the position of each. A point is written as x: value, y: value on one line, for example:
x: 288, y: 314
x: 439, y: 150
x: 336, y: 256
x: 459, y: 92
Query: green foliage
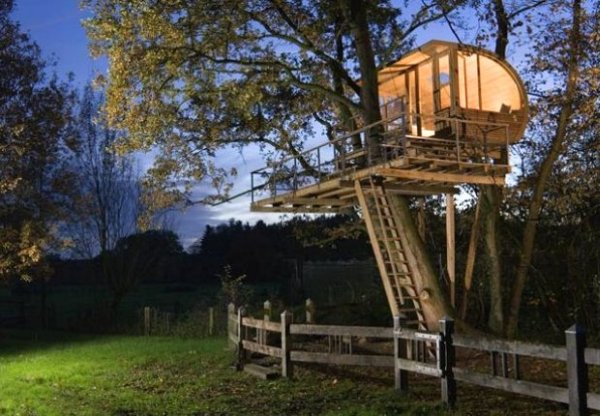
x: 233, y: 289
x: 35, y: 147
x: 191, y: 79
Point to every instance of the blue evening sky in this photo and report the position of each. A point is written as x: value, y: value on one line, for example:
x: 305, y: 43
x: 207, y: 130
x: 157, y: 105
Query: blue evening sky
x: 56, y: 26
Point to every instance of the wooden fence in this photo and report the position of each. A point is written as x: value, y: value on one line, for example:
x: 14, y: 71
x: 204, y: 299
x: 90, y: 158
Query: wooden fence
x: 428, y: 353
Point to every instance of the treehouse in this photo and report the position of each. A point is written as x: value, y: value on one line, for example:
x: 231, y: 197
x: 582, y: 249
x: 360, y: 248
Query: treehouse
x: 448, y: 114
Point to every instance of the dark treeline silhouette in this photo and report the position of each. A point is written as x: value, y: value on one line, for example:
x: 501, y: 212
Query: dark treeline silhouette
x: 262, y: 252
x: 270, y: 252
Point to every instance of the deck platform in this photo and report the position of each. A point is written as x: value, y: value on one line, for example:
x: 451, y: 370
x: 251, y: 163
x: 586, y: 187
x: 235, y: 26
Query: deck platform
x: 420, y: 171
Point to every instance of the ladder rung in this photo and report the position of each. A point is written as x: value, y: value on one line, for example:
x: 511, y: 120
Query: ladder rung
x: 399, y: 274
x: 417, y: 321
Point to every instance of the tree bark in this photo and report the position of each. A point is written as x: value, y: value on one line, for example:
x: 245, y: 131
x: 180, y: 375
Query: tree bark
x: 435, y: 304
x: 369, y: 97
x: 491, y: 211
x: 492, y: 197
x: 535, y: 205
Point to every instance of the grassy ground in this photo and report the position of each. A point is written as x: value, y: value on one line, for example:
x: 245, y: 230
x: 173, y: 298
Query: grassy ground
x: 169, y: 376
x: 47, y: 375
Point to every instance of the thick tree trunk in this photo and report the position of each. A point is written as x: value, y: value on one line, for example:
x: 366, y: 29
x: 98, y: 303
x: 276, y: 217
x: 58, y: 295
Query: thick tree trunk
x: 434, y: 300
x: 492, y: 197
x: 357, y: 17
x: 535, y: 205
x: 491, y: 210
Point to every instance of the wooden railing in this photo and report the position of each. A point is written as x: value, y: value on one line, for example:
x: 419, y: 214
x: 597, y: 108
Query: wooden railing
x: 428, y: 353
x: 452, y: 139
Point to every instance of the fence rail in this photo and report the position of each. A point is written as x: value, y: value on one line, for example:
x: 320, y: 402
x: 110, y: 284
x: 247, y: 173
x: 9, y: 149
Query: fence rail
x: 428, y: 353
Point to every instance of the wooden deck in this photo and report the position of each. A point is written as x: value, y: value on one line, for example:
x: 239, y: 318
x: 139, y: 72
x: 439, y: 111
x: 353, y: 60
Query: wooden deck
x: 406, y: 175
x: 322, y: 179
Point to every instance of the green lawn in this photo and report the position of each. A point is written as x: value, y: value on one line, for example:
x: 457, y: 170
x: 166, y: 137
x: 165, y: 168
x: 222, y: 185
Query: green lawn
x: 170, y: 376
x: 56, y: 374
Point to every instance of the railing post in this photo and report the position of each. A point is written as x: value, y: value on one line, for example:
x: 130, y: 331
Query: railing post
x: 456, y: 135
x: 577, y: 372
x: 241, y: 354
x: 446, y: 361
x: 400, y: 376
x: 287, y: 370
x: 310, y: 311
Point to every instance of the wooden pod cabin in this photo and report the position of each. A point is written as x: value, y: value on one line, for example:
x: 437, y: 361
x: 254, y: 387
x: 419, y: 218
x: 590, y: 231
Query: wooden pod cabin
x: 449, y: 80
x: 448, y: 114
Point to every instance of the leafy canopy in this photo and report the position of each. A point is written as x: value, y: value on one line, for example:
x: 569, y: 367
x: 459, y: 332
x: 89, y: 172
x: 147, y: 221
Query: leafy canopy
x: 192, y: 77
x: 34, y: 149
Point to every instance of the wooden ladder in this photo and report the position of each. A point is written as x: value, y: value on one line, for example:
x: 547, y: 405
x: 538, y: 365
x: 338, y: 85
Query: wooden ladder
x: 388, y: 246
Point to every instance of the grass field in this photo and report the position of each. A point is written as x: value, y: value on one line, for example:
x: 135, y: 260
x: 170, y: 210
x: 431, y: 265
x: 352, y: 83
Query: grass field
x: 50, y: 374
x: 169, y: 376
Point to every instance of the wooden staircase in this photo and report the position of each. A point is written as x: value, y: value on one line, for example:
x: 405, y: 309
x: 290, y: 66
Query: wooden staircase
x: 384, y: 230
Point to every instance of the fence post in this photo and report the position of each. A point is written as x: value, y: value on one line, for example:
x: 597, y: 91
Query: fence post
x: 267, y: 313
x: 146, y: 320
x: 241, y: 355
x: 211, y: 321
x: 310, y: 311
x: 287, y: 370
x: 446, y: 361
x: 577, y: 372
x: 231, y: 327
x: 400, y: 376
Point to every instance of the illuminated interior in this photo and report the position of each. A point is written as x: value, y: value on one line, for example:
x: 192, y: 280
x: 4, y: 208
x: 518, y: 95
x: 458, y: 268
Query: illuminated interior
x: 445, y: 79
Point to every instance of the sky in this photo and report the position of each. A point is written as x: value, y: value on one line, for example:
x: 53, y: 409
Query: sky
x: 56, y: 26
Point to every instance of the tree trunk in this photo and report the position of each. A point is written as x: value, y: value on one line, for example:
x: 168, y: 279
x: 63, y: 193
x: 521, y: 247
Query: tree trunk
x: 435, y: 304
x: 535, y: 205
x: 357, y: 17
x: 492, y: 197
x: 436, y: 301
x: 491, y: 211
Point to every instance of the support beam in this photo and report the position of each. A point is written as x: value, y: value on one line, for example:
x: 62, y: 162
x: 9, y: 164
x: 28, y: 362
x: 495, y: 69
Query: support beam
x: 441, y: 176
x: 295, y: 209
x: 451, y: 247
x: 471, y: 255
